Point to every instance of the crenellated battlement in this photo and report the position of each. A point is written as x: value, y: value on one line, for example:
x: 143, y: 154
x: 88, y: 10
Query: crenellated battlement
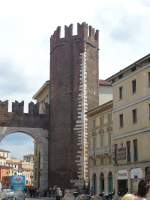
x: 4, y: 106
x: 33, y: 108
x: 18, y: 107
x: 83, y: 31
x: 18, y: 118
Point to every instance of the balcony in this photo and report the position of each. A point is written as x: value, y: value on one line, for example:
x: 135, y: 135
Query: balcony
x: 100, y: 152
x: 103, y: 151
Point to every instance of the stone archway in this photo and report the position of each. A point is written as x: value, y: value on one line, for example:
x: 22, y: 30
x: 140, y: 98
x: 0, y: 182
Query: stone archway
x: 40, y: 135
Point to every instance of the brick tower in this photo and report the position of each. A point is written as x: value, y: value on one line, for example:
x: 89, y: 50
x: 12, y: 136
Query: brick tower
x: 73, y: 91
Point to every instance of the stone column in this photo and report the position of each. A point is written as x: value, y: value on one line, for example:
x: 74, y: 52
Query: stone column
x: 44, y: 165
x: 129, y: 180
x: 116, y: 180
x: 143, y: 170
x: 106, y: 182
x: 97, y: 175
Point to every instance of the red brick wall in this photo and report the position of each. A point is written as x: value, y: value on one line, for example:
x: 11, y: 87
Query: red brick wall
x: 65, y: 61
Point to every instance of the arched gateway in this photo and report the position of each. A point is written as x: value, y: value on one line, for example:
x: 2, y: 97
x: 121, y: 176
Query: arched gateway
x: 33, y: 124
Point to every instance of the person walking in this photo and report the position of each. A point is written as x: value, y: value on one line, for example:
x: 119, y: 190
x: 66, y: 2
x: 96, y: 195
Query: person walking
x: 142, y: 190
x: 129, y: 197
x: 58, y: 193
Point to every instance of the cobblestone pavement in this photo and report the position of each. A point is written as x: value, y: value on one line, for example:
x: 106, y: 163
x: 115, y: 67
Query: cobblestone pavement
x: 39, y: 198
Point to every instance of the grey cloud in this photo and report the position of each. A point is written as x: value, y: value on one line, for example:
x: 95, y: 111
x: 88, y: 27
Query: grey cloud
x: 120, y: 24
x: 12, y: 81
x: 128, y: 28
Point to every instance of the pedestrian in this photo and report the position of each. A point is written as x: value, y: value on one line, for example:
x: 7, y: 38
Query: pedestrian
x: 58, y: 193
x: 142, y: 190
x: 129, y: 197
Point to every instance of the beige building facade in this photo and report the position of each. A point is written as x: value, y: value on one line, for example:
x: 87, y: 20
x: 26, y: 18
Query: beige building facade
x: 105, y: 91
x: 131, y: 125
x: 101, y: 171
x: 130, y: 132
x: 42, y: 98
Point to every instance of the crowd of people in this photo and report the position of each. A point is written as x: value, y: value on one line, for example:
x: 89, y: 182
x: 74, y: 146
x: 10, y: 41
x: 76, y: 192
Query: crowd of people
x: 56, y: 192
x: 31, y: 192
x: 142, y: 192
x: 59, y: 193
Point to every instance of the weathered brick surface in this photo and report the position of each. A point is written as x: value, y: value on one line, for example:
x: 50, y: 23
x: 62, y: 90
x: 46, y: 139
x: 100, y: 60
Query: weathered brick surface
x: 65, y: 74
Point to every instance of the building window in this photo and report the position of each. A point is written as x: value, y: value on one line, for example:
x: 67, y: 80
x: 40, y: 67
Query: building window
x: 102, y: 183
x: 109, y: 117
x: 133, y: 86
x: 121, y: 120
x: 149, y: 111
x: 128, y: 151
x: 135, y: 150
x: 115, y: 152
x: 94, y: 162
x: 120, y: 76
x: 120, y: 92
x: 94, y: 143
x: 133, y: 69
x: 109, y: 139
x: 105, y: 118
x: 102, y: 140
x: 149, y: 79
x: 101, y: 121
x: 134, y: 116
x: 94, y: 123
x: 102, y: 161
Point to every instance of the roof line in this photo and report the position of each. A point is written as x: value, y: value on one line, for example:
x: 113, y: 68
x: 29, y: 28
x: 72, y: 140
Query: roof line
x: 41, y: 88
x: 127, y: 68
x: 100, y: 107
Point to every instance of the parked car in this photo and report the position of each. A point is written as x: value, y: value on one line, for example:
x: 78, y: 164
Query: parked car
x: 7, y: 194
x: 19, y: 195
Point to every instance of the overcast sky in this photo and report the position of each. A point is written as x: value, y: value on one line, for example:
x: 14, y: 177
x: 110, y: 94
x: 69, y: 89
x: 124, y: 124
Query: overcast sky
x: 18, y: 144
x: 26, y: 25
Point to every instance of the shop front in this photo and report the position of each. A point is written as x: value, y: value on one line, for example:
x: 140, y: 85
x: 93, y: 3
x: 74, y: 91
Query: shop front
x: 136, y: 176
x: 122, y: 181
